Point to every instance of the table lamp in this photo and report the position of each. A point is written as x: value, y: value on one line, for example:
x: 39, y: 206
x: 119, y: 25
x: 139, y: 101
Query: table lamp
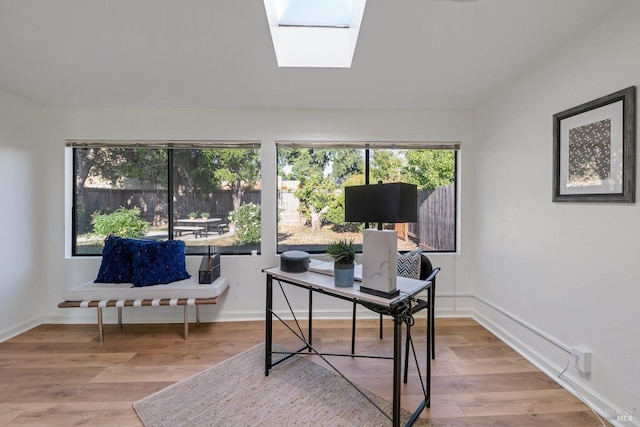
x: 390, y: 203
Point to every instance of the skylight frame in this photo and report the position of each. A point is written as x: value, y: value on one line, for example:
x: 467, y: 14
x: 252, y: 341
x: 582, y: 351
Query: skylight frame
x: 319, y: 45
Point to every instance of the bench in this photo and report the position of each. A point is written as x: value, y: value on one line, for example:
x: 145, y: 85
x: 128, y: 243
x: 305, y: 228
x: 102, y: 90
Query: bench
x: 184, y: 293
x: 220, y: 226
x: 179, y: 229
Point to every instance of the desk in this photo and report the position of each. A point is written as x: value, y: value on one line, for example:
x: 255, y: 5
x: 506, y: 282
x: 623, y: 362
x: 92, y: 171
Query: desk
x: 200, y: 222
x: 395, y: 307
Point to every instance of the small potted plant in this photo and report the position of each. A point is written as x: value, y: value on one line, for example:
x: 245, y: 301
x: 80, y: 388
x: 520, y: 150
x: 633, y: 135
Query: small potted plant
x: 192, y: 215
x: 343, y: 253
x: 204, y: 215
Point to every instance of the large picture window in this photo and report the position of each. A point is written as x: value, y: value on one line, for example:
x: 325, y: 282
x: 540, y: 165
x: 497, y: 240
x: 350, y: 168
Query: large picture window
x: 312, y: 177
x: 205, y: 193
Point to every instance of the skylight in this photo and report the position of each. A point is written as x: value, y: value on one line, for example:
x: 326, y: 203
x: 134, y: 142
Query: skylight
x: 327, y: 13
x: 314, y: 33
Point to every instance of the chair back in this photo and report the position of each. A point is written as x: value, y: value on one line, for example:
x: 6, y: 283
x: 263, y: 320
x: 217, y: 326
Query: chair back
x: 425, y: 267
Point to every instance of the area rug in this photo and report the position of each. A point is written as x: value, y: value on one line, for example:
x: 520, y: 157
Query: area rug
x: 236, y: 392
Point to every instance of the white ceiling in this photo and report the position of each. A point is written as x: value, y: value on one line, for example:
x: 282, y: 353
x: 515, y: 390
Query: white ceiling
x: 411, y: 54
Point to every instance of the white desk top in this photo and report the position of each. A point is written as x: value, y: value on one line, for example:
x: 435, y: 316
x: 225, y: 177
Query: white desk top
x: 407, y: 287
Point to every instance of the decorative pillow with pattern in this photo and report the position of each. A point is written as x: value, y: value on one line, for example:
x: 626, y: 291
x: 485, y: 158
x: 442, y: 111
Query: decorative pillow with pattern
x: 409, y: 264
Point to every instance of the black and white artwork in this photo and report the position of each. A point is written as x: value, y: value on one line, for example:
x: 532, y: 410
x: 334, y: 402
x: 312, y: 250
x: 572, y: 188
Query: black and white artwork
x: 594, y: 150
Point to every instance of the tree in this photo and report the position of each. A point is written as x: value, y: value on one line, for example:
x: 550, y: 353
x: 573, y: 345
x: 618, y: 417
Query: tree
x: 114, y: 165
x: 429, y: 169
x: 335, y: 214
x: 315, y: 195
x: 236, y: 169
x: 304, y: 162
x: 320, y: 171
x: 386, y: 166
x: 344, y: 163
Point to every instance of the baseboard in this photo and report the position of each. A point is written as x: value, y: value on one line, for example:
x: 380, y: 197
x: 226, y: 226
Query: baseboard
x: 20, y: 328
x: 544, y: 352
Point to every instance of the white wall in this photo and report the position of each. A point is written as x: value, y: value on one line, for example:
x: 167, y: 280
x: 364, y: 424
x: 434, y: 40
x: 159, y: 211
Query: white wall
x: 21, y: 184
x: 567, y: 272
x: 246, y: 297
x: 544, y: 276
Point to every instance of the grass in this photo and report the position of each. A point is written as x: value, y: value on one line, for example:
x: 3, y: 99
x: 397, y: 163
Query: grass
x: 298, y: 235
x: 290, y: 236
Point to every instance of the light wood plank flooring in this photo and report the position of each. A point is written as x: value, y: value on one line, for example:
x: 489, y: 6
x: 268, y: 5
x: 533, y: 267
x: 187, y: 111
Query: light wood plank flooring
x: 59, y: 375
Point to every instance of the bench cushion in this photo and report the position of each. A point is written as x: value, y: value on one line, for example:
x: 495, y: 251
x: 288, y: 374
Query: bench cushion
x: 188, y: 288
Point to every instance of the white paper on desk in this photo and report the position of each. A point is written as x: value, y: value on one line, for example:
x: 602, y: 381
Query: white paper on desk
x: 357, y: 273
x: 326, y: 267
x: 322, y: 267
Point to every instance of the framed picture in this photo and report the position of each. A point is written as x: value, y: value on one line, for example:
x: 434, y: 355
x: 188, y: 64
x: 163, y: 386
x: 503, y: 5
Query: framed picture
x: 594, y: 150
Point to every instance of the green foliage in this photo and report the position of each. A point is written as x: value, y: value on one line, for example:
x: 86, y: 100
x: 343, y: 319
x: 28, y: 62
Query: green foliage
x: 123, y: 222
x: 114, y: 163
x: 247, y: 221
x: 204, y: 214
x: 314, y: 163
x: 304, y: 162
x: 235, y: 168
x: 315, y: 194
x: 342, y: 251
x: 346, y: 162
x: 386, y: 166
x: 335, y: 214
x: 430, y: 169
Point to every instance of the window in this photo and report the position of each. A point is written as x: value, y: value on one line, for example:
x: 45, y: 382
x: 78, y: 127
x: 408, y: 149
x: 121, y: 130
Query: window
x: 312, y: 177
x: 204, y: 193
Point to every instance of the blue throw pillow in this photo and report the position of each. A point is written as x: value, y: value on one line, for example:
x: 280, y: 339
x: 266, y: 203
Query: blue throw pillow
x: 117, y: 262
x: 157, y: 262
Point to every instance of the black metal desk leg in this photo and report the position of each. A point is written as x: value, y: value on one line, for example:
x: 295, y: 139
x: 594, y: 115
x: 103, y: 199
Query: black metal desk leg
x: 397, y: 356
x: 432, y: 318
x: 427, y: 397
x: 353, y: 330
x: 268, y: 326
x: 310, y: 319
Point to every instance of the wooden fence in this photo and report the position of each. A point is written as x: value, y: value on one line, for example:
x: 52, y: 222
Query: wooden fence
x: 436, y: 229
x: 153, y: 203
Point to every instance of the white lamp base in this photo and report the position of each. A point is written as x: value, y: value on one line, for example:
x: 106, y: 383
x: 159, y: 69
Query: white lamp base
x: 380, y: 263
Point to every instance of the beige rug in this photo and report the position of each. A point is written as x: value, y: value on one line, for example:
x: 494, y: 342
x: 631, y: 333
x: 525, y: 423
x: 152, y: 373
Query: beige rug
x: 236, y: 392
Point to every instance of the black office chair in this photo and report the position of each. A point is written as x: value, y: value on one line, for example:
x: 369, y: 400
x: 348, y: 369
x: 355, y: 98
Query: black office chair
x: 427, y: 273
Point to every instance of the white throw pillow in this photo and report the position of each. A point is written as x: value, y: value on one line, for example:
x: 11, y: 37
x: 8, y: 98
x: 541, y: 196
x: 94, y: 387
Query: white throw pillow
x: 409, y: 264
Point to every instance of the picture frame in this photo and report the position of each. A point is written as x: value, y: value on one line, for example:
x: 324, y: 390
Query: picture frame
x: 594, y: 150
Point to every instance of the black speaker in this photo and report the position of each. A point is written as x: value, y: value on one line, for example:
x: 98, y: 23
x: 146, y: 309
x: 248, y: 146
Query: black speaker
x: 294, y: 261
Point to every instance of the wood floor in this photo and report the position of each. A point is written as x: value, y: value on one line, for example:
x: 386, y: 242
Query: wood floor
x: 59, y: 375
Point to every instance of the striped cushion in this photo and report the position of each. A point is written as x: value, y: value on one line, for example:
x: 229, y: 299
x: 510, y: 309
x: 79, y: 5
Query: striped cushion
x: 409, y: 264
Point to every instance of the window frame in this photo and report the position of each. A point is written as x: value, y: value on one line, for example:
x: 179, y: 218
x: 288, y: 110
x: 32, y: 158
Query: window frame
x: 380, y: 145
x: 169, y: 145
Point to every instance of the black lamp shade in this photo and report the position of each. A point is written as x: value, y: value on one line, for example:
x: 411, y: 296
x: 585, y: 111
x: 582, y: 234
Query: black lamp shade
x: 391, y: 203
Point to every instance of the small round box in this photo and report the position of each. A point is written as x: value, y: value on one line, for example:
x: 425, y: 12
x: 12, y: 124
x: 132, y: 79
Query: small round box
x: 294, y: 261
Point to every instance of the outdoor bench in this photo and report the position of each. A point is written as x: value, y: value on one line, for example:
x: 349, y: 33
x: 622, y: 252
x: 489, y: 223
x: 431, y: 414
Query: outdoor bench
x: 197, y: 231
x: 184, y: 293
x: 220, y: 226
